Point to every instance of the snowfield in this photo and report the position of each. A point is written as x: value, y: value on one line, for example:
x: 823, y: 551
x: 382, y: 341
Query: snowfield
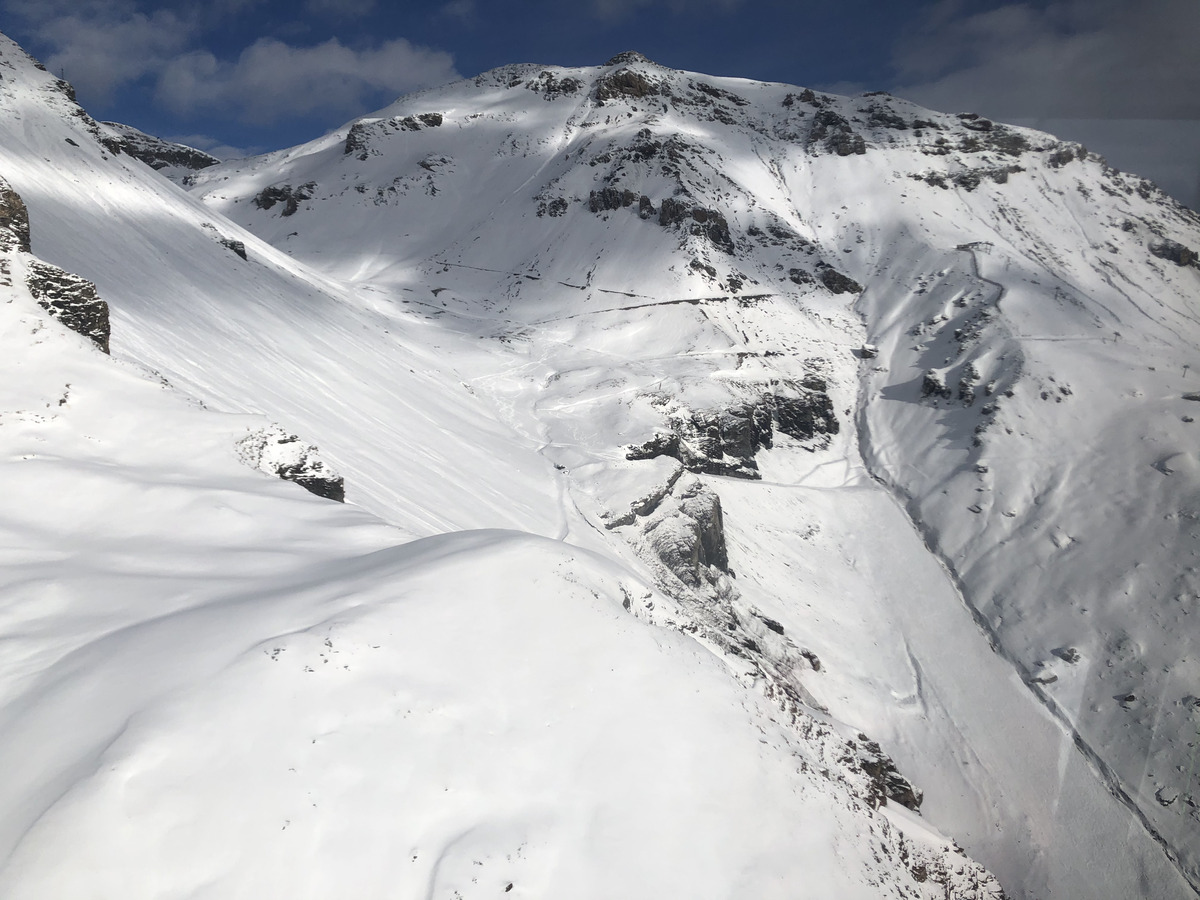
x: 650, y: 581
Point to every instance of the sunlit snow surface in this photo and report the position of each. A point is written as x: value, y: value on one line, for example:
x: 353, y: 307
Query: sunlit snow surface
x: 220, y: 686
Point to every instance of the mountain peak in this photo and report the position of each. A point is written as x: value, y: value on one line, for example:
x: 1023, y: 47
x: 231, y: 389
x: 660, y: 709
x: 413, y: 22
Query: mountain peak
x: 630, y: 56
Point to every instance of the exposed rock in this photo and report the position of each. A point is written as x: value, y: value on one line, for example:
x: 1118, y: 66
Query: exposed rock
x: 276, y: 452
x: 624, y: 83
x: 886, y: 782
x: 610, y: 198
x: 357, y: 139
x: 645, y: 207
x: 836, y: 133
x: 1064, y: 154
x: 551, y: 87
x: 673, y: 211
x: 629, y: 56
x: 237, y: 247
x: 1174, y: 251
x: 837, y: 282
x: 809, y: 415
x: 967, y: 384
x: 710, y: 224
x: 1067, y: 654
x: 933, y: 384
x: 725, y: 441
x: 14, y: 218
x: 361, y: 134
x: 687, y: 533
x: 882, y: 117
x: 975, y: 122
x: 70, y: 299
x: 154, y: 152
x: 290, y: 197
x: 553, y: 208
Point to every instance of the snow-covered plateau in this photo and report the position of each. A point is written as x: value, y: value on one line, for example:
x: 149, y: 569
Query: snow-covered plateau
x: 749, y: 492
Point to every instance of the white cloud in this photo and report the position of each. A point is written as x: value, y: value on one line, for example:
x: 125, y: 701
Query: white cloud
x: 1121, y: 77
x: 104, y: 45
x: 101, y: 46
x: 214, y: 146
x: 273, y: 80
x: 1066, y: 58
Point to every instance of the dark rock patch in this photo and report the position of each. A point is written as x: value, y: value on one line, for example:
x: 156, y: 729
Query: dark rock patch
x: 553, y: 208
x: 551, y: 87
x: 290, y: 197
x: 624, y: 84
x: 276, y: 452
x: 836, y: 282
x: 70, y: 299
x: 14, y: 217
x: 610, y: 198
x: 1173, y: 251
x: 237, y: 247
x: 835, y: 133
x: 886, y: 782
x: 725, y: 441
x: 154, y: 152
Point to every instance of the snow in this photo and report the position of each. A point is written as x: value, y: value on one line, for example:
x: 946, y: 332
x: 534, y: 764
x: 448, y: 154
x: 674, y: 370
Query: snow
x: 474, y: 673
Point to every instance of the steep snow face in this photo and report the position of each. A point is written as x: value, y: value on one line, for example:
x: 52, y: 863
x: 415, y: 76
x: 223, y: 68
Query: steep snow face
x: 663, y: 255
x: 217, y: 684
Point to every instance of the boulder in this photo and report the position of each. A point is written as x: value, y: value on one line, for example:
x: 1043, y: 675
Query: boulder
x: 277, y: 452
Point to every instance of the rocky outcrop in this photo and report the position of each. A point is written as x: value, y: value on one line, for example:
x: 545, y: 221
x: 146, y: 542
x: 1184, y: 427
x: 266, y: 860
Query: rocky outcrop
x: 725, y: 441
x: 70, y: 299
x: 624, y: 84
x: 700, y: 221
x: 1173, y: 251
x: 14, y: 219
x: 610, y: 198
x: 238, y: 247
x: 834, y: 133
x: 290, y: 197
x: 277, y: 452
x: 552, y: 87
x: 687, y: 533
x: 836, y: 282
x: 361, y: 134
x: 155, y: 152
x: 553, y: 208
x: 885, y: 781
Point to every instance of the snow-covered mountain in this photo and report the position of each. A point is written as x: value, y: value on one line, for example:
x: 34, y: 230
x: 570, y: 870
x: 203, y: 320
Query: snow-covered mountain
x: 793, y: 409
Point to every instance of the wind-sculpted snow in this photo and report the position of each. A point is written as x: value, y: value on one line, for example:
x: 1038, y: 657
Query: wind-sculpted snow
x: 479, y: 303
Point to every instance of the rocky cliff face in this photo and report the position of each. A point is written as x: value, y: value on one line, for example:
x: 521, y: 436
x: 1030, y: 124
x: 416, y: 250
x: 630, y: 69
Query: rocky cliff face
x: 175, y: 161
x: 70, y: 299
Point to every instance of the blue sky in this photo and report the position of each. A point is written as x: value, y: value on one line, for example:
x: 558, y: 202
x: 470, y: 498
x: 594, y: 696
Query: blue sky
x: 249, y: 75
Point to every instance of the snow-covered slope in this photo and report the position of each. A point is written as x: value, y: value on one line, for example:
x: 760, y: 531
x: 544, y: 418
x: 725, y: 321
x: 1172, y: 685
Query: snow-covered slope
x: 666, y: 249
x: 219, y: 685
x: 466, y: 302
